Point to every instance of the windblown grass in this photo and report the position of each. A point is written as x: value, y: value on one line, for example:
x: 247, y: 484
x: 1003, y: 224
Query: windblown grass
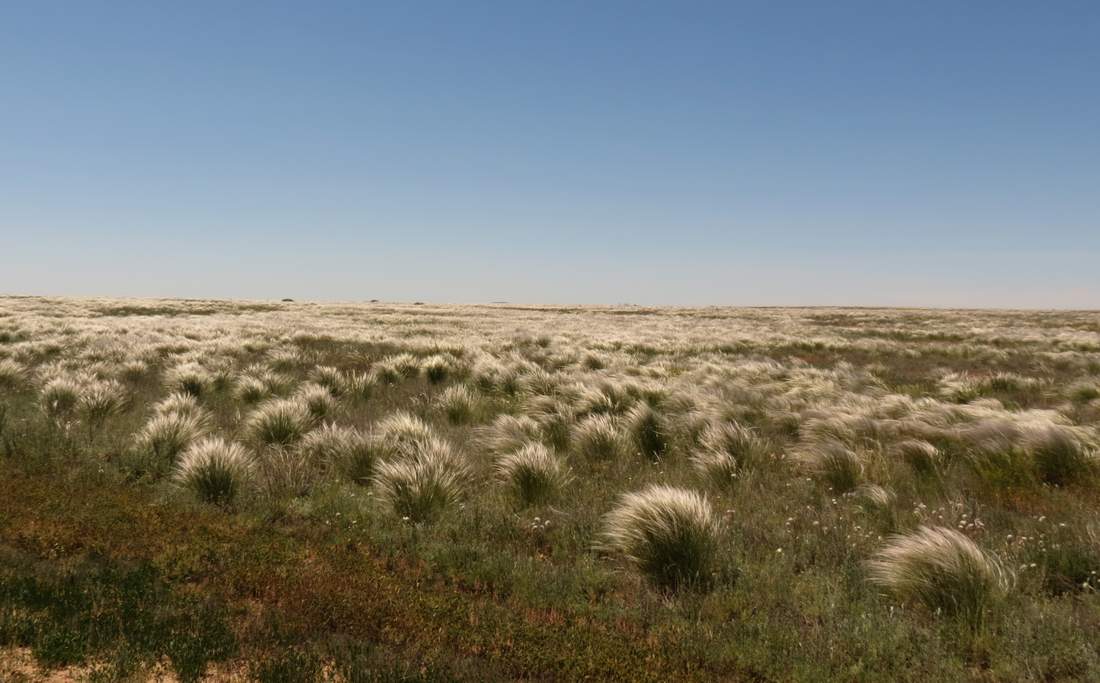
x: 215, y: 470
x: 533, y: 473
x: 943, y: 570
x: 669, y: 534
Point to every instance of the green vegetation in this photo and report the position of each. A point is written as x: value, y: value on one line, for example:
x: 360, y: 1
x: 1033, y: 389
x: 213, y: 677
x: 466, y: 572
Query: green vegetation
x: 376, y: 492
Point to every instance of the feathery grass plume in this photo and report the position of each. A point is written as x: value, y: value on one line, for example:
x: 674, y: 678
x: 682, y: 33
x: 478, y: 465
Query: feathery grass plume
x: 11, y: 373
x: 169, y: 434
x: 273, y: 382
x: 555, y: 419
x: 221, y: 376
x: 692, y: 424
x: 1059, y: 454
x: 990, y: 436
x: 190, y: 378
x: 942, y: 569
x: 333, y: 448
x: 251, y: 390
x: 738, y: 443
x: 539, y: 382
x: 597, y: 438
x: 458, y: 403
x: 215, y: 470
x: 330, y: 378
x: 286, y: 358
x: 133, y: 370
x: 839, y: 466
x: 873, y: 497
x: 920, y: 455
x: 647, y: 431
x: 393, y: 369
x: 534, y: 474
x: 424, y: 486
x: 437, y: 368
x: 278, y: 422
x: 717, y: 467
x: 100, y: 400
x: 668, y: 533
x: 490, y: 375
x: 403, y: 435
x: 317, y: 399
x: 605, y: 398
x: 179, y: 404
x: 509, y: 433
x: 360, y: 385
x: 959, y: 387
x: 593, y: 361
x: 59, y: 397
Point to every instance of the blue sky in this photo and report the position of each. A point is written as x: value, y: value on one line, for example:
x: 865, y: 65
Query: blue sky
x: 895, y: 153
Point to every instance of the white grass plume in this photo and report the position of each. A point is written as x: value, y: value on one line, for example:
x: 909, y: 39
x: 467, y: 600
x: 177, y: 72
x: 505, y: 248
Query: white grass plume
x: 215, y: 470
x: 421, y: 488
x: 278, y: 422
x: 533, y: 473
x: 670, y: 534
x: 942, y: 569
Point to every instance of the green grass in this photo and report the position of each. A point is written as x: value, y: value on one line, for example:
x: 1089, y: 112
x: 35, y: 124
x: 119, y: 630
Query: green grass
x: 106, y: 564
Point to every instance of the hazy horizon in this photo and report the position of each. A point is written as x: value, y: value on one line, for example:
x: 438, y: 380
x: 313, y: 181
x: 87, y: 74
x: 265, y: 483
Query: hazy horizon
x: 658, y: 154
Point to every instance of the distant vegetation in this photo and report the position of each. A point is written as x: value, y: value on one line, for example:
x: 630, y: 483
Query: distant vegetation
x: 414, y: 492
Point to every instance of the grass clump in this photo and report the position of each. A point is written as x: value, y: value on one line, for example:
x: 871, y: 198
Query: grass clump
x: 647, y: 431
x: 100, y: 400
x: 1060, y: 456
x: 923, y: 457
x: 11, y: 373
x: 344, y: 450
x: 360, y: 385
x: 179, y: 404
x: 437, y: 368
x: 941, y: 569
x: 534, y: 474
x: 403, y: 435
x: 330, y: 378
x: 728, y: 448
x: 251, y: 390
x: 420, y: 489
x: 59, y: 397
x: 169, y: 434
x: 317, y: 400
x: 834, y: 463
x: 215, y: 470
x: 189, y: 378
x: 597, y: 438
x: 510, y: 432
x: 394, y: 369
x: 278, y: 422
x: 458, y: 403
x: 670, y: 534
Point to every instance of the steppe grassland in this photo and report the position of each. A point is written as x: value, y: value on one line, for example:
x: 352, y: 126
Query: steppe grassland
x: 697, y: 493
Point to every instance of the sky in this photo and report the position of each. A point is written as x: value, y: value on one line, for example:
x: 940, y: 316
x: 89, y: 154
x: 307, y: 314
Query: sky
x: 685, y: 153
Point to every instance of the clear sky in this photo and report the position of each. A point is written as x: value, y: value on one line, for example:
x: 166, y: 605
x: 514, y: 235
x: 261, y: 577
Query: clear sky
x: 901, y: 153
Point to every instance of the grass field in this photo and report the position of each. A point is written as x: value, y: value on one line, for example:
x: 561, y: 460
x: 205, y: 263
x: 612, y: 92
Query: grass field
x: 296, y: 491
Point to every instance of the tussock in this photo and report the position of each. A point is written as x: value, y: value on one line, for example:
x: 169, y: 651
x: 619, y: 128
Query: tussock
x: 669, y: 534
x: 533, y: 473
x: 942, y: 569
x: 215, y: 470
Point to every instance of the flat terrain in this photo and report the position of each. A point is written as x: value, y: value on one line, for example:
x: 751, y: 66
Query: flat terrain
x: 295, y: 491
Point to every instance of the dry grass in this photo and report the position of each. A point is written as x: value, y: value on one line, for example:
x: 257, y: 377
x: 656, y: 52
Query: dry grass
x: 855, y: 462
